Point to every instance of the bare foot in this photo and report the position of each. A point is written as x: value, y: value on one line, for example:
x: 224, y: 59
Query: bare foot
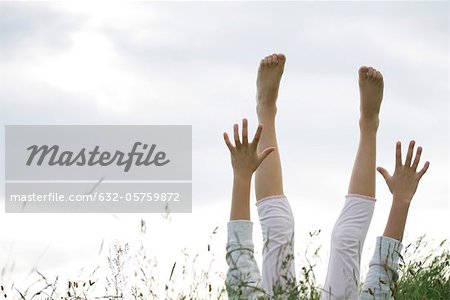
x: 269, y: 77
x: 371, y: 94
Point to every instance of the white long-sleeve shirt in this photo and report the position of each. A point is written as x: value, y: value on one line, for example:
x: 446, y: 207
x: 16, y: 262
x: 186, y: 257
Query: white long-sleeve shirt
x: 244, y: 280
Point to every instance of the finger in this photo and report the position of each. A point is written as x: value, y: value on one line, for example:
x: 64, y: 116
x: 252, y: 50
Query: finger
x: 244, y: 132
x: 417, y: 158
x: 424, y: 169
x: 236, y: 135
x: 227, y: 142
x: 257, y: 135
x: 409, y: 154
x: 265, y: 153
x: 398, y: 155
x: 384, y: 173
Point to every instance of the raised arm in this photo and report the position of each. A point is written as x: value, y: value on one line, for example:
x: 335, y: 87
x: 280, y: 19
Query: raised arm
x: 403, y: 185
x: 243, y: 277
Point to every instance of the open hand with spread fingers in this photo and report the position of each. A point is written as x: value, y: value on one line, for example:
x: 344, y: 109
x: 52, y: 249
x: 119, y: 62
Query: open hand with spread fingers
x: 244, y: 156
x: 403, y: 183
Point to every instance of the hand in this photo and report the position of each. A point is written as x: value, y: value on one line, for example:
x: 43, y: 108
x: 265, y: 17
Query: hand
x: 244, y: 157
x: 403, y: 183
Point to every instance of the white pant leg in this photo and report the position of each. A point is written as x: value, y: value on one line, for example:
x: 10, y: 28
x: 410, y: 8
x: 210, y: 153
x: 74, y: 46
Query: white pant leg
x: 347, y: 241
x: 277, y: 224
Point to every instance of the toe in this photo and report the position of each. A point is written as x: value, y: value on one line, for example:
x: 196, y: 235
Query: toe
x: 379, y: 77
x: 363, y: 71
x: 374, y: 72
x: 275, y: 59
x: 370, y: 72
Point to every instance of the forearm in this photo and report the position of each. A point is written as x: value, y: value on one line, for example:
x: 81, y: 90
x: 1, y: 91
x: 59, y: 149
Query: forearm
x: 395, y: 226
x: 240, y: 203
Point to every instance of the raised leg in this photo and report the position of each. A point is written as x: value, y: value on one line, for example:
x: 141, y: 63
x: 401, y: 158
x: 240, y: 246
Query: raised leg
x: 362, y: 181
x: 351, y: 227
x: 268, y: 178
x: 275, y: 214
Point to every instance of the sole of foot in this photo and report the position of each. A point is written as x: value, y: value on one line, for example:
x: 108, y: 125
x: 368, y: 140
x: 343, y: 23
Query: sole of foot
x: 371, y: 87
x: 270, y: 72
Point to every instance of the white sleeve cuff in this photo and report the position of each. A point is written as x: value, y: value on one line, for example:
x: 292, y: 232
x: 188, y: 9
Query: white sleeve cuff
x: 387, y: 252
x: 240, y: 232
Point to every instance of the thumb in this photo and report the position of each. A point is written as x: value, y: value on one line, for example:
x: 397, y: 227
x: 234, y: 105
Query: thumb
x: 265, y: 153
x: 384, y: 173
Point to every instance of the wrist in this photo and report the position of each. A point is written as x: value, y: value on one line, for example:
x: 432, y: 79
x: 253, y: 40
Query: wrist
x: 400, y: 205
x: 400, y: 200
x: 395, y: 226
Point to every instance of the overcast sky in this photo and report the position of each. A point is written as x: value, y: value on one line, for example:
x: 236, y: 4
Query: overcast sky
x: 195, y: 64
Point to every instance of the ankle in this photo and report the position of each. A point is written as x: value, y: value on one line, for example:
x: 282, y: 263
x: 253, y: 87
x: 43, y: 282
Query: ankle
x: 370, y: 125
x: 265, y: 111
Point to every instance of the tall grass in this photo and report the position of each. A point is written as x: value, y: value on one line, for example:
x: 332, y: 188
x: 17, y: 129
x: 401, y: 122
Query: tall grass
x: 424, y: 274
